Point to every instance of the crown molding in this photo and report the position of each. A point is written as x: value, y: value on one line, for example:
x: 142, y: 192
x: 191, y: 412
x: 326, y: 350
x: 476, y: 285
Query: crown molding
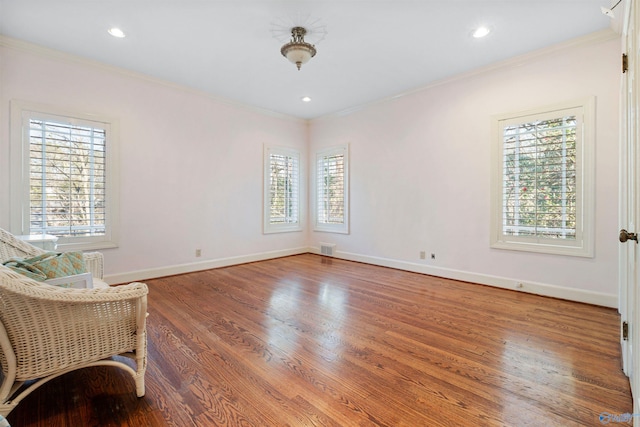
x: 586, y: 40
x: 32, y: 48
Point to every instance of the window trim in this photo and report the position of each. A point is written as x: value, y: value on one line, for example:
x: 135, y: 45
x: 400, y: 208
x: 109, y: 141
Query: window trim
x: 342, y: 228
x: 268, y: 227
x: 19, y: 173
x: 583, y: 245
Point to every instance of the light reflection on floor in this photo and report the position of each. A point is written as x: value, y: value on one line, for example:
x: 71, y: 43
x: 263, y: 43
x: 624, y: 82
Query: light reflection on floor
x: 524, y: 361
x: 334, y: 300
x: 287, y: 314
x: 284, y: 305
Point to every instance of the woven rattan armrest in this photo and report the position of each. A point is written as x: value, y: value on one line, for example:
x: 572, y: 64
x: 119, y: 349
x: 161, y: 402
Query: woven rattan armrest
x: 43, y: 291
x: 94, y: 262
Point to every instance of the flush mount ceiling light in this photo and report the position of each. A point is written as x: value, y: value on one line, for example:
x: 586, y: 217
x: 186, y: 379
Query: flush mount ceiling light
x: 297, y: 50
x: 116, y: 32
x: 305, y: 99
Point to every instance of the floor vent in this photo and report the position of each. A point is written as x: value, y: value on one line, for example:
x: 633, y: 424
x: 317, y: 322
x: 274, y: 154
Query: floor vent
x: 327, y: 249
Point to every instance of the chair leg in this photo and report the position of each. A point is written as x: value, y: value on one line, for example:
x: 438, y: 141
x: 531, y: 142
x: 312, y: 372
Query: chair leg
x: 140, y: 390
x: 8, y: 383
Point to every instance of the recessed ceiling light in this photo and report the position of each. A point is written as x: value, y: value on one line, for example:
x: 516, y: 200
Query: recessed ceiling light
x: 116, y: 32
x: 481, y: 32
x: 306, y: 99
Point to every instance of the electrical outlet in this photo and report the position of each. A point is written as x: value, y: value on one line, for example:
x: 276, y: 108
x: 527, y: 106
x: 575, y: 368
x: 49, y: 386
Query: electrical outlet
x: 198, y: 252
x: 433, y: 256
x: 423, y: 255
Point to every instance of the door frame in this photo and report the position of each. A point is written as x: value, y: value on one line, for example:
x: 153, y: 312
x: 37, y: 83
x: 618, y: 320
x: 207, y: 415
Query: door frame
x: 629, y: 203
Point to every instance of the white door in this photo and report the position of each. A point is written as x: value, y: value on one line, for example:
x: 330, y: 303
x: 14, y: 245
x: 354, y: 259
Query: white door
x: 629, y: 209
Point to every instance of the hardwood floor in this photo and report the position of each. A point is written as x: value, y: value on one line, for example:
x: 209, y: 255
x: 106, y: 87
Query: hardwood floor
x: 313, y: 341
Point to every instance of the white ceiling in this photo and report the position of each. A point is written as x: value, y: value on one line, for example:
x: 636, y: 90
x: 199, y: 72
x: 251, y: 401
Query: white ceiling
x: 373, y: 49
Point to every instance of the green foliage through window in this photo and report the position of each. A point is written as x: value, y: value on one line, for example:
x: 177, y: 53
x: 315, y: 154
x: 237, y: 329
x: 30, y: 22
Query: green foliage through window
x: 539, y: 178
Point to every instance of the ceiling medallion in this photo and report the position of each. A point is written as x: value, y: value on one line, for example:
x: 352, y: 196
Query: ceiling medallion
x: 297, y: 50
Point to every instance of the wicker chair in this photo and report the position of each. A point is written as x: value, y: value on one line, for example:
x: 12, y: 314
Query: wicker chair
x: 47, y: 331
x: 11, y: 246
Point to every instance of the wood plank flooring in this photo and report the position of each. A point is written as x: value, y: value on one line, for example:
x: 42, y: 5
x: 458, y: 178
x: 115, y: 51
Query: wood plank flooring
x: 313, y: 341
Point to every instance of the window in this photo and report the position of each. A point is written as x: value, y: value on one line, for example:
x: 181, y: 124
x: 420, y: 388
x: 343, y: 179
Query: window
x: 332, y: 190
x: 543, y: 181
x: 63, y: 182
x: 282, y: 190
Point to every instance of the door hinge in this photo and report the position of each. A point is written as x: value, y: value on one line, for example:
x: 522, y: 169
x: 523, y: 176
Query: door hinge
x: 625, y: 63
x: 625, y: 331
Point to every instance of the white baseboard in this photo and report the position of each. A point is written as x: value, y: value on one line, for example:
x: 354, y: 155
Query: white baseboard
x: 555, y: 291
x: 152, y: 273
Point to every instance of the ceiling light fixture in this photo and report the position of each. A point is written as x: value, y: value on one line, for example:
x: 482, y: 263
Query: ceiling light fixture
x: 297, y: 50
x: 481, y: 32
x: 306, y: 99
x: 116, y: 32
x: 609, y: 12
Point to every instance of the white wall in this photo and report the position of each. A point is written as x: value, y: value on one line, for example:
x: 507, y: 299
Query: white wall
x: 420, y: 174
x: 191, y: 169
x: 191, y: 166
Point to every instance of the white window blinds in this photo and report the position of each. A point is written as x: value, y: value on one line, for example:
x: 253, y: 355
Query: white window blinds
x: 539, y: 184
x: 282, y: 190
x: 67, y: 178
x: 332, y: 190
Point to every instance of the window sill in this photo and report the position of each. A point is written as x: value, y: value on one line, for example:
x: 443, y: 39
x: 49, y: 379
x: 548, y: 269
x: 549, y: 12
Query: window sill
x: 544, y: 248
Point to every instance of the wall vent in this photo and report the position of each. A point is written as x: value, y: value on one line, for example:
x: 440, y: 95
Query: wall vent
x: 327, y: 249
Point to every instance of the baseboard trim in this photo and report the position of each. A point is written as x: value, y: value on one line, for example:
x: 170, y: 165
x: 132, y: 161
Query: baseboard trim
x: 544, y: 289
x: 152, y: 273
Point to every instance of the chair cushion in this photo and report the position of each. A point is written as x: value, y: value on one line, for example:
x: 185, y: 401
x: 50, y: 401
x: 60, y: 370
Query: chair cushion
x: 59, y: 264
x: 99, y: 283
x: 49, y: 265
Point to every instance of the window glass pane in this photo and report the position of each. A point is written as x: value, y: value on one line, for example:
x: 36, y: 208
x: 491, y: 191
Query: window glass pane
x: 283, y: 189
x: 539, y: 178
x: 330, y: 185
x: 67, y: 178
